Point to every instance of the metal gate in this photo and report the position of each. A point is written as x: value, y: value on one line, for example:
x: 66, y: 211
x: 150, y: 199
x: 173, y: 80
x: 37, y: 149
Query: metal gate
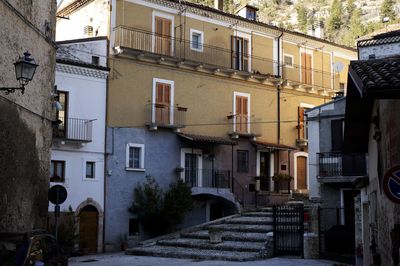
x: 288, y: 230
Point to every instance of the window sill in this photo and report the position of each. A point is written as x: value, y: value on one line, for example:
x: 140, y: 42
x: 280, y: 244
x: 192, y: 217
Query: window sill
x: 135, y: 169
x: 90, y: 179
x: 196, y: 49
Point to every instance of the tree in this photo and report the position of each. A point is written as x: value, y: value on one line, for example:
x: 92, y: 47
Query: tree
x: 302, y: 17
x: 356, y: 28
x: 387, y: 10
x: 335, y: 19
x: 350, y: 7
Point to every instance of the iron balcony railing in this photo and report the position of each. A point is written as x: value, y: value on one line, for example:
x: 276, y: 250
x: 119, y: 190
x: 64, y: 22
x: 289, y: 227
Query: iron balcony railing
x: 74, y: 129
x: 221, y: 57
x: 337, y: 164
x: 245, y: 124
x: 207, y: 178
x: 163, y: 115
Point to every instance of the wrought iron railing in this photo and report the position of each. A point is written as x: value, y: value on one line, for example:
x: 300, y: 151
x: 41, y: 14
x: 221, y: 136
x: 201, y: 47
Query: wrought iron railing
x: 336, y: 164
x: 74, y: 129
x: 163, y: 115
x: 207, y: 178
x: 245, y: 124
x: 221, y: 57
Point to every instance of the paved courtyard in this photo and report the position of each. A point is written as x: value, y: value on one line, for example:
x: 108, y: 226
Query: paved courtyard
x: 120, y: 259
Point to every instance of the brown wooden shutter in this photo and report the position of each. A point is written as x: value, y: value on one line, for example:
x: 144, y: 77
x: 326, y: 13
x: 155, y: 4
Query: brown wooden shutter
x: 245, y: 55
x: 300, y: 123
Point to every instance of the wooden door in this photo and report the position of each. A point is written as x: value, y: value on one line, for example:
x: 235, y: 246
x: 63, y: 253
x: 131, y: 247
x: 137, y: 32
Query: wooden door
x: 163, y: 103
x: 88, y: 229
x: 300, y: 123
x: 306, y: 71
x: 242, y: 116
x: 163, y: 37
x: 264, y: 171
x: 301, y: 172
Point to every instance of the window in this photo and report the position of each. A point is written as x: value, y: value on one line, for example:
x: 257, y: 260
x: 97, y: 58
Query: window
x: 163, y: 32
x: 62, y: 115
x: 302, y: 123
x: 242, y: 161
x: 341, y: 86
x: 133, y: 227
x: 90, y: 166
x: 240, y: 53
x: 337, y: 134
x: 306, y: 68
x: 135, y: 156
x: 57, y: 171
x: 288, y: 60
x: 95, y: 60
x: 196, y: 40
x: 163, y: 102
x: 242, y: 113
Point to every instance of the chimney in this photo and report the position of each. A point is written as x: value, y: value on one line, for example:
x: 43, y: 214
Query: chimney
x: 247, y: 11
x: 219, y: 4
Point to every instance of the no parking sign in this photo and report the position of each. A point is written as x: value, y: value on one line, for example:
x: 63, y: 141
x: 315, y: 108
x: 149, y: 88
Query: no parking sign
x: 391, y: 184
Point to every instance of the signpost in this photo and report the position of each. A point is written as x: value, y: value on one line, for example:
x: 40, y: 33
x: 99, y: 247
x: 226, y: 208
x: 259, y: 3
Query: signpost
x: 391, y: 184
x: 57, y: 195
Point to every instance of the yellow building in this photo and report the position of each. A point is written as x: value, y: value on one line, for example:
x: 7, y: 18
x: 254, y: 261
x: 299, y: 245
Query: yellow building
x: 213, y: 98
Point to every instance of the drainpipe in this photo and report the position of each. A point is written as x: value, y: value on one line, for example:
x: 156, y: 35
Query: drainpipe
x: 232, y: 172
x: 278, y: 96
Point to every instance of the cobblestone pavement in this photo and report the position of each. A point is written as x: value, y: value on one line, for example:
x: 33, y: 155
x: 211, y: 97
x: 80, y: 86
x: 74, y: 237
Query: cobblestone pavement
x: 120, y: 259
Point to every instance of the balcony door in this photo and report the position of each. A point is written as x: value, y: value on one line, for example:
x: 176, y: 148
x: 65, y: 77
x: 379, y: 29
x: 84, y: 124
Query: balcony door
x: 163, y: 104
x: 163, y: 39
x: 306, y: 71
x: 242, y: 114
x: 240, y: 53
x: 191, y: 161
x: 62, y: 115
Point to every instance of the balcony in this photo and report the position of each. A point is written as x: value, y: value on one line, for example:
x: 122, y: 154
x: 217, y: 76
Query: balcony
x: 76, y: 129
x: 162, y: 115
x: 244, y: 126
x: 207, y: 178
x: 148, y: 45
x: 339, y: 167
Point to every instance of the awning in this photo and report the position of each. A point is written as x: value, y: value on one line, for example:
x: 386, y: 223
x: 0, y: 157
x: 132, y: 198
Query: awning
x: 207, y: 139
x: 272, y: 146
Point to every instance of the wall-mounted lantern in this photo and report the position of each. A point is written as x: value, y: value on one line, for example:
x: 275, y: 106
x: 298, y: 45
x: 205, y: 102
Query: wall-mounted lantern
x: 25, y: 68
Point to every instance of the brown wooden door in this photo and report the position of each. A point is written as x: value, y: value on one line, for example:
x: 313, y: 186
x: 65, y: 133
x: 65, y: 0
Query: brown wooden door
x: 301, y: 172
x: 242, y: 116
x: 306, y: 71
x: 163, y: 103
x: 264, y: 171
x: 163, y: 37
x: 88, y: 229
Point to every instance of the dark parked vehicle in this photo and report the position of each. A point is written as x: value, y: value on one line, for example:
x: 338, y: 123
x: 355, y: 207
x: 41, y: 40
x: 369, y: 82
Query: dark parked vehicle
x: 35, y: 248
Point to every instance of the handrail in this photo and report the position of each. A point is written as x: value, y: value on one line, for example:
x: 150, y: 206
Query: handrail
x: 242, y: 190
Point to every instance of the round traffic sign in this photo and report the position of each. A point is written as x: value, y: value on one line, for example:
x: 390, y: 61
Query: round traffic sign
x: 391, y: 184
x: 57, y: 194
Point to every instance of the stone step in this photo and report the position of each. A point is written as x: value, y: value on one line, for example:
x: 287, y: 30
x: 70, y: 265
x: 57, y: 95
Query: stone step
x: 228, y: 236
x: 243, y: 227
x: 257, y: 214
x: 205, y: 244
x: 250, y: 220
x: 193, y: 253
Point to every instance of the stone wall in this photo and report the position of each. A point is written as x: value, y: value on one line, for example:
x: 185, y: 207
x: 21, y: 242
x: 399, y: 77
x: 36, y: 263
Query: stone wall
x: 25, y: 132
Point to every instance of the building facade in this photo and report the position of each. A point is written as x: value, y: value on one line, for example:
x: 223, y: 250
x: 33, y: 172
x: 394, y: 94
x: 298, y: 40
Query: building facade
x: 26, y: 119
x: 77, y: 154
x: 212, y: 98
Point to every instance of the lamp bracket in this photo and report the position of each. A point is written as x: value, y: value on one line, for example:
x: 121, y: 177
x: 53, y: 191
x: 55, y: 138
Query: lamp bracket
x: 9, y: 90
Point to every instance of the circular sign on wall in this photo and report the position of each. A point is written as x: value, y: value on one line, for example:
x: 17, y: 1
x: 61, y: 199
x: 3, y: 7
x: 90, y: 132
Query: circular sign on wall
x: 391, y: 184
x: 57, y: 194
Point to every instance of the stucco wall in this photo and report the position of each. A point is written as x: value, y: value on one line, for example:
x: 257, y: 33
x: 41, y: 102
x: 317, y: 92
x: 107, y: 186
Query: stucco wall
x: 25, y: 137
x: 380, y: 51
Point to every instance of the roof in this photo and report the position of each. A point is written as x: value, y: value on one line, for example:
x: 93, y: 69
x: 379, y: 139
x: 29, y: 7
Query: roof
x: 368, y: 80
x: 90, y: 39
x: 274, y: 146
x: 207, y: 139
x: 383, y: 38
x: 326, y: 104
x: 81, y: 64
x: 77, y: 4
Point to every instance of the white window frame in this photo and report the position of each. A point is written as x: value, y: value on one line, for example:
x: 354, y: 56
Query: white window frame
x: 153, y: 99
x: 153, y: 28
x: 292, y: 57
x: 95, y: 177
x: 200, y: 49
x: 141, y: 162
x: 247, y: 95
x: 249, y: 46
x: 199, y: 154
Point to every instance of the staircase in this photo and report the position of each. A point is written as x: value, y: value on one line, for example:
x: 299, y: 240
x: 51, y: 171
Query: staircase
x: 244, y: 237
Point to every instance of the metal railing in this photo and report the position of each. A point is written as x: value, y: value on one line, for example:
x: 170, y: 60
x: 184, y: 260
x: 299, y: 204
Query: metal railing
x: 245, y: 124
x: 207, y: 178
x: 74, y: 129
x: 221, y: 57
x: 163, y: 115
x: 336, y: 164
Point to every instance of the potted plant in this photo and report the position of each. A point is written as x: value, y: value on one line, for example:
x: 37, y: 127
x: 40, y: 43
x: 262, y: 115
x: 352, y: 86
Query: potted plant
x: 282, y: 178
x: 215, y: 235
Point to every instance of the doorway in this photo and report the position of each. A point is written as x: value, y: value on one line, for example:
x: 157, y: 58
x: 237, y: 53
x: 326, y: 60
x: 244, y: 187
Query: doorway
x: 265, y: 171
x: 301, y: 172
x: 88, y: 229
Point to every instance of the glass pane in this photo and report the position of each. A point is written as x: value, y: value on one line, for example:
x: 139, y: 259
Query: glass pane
x: 59, y: 169
x: 52, y: 169
x: 130, y: 163
x: 136, y: 158
x: 89, y: 170
x: 196, y: 40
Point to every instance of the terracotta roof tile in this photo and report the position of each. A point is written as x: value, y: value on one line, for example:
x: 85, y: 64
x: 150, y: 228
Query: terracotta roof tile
x: 275, y: 146
x: 207, y: 139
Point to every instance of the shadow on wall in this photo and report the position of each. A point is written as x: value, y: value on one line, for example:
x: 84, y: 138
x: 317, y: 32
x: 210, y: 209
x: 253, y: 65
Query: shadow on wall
x: 24, y: 182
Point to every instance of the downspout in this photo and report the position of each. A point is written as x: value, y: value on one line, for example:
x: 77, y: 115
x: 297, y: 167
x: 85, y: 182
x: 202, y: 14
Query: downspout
x: 278, y: 96
x: 232, y: 179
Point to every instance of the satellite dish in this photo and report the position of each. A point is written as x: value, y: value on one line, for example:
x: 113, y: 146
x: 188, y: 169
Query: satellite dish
x: 338, y: 66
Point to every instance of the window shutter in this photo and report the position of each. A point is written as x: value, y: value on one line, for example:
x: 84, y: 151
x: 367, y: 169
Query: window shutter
x: 300, y: 122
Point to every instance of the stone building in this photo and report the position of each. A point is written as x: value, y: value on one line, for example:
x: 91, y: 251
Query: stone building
x: 26, y: 119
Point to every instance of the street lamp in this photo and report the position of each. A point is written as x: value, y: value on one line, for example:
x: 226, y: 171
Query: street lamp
x: 25, y: 68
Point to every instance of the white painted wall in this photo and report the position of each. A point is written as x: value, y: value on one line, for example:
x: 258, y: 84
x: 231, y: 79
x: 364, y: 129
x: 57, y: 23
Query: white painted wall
x: 84, y: 51
x: 380, y: 51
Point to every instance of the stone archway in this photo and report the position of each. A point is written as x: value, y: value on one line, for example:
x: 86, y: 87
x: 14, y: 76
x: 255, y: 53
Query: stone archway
x: 87, y: 208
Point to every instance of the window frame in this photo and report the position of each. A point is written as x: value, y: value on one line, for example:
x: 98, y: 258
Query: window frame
x: 292, y: 58
x: 241, y: 94
x: 200, y: 49
x: 55, y: 170
x: 238, y: 169
x: 154, y: 100
x: 141, y: 157
x: 93, y: 163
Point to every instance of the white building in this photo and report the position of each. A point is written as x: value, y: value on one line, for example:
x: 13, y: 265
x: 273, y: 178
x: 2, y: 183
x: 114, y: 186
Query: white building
x: 77, y: 155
